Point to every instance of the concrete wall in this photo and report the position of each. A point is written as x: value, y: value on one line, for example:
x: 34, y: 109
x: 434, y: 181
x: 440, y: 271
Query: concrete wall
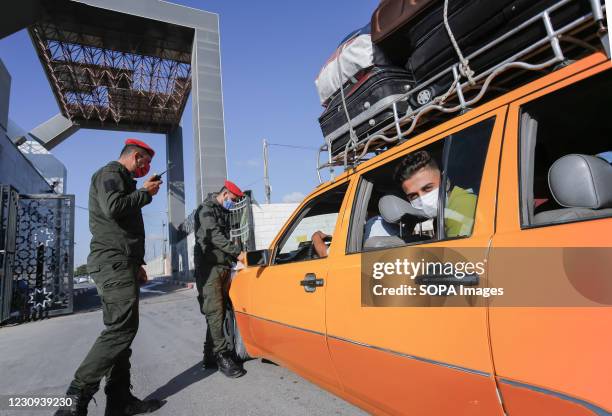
x: 307, y: 227
x: 190, y: 245
x: 159, y: 266
x: 268, y: 220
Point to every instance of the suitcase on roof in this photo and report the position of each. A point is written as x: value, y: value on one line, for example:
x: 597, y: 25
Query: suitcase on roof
x: 391, y: 22
x: 368, y: 104
x: 475, y: 24
x: 392, y: 15
x: 354, y: 55
x: 421, y: 42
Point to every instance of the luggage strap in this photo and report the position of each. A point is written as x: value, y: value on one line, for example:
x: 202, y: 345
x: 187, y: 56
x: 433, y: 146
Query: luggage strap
x: 352, y: 134
x: 464, y: 64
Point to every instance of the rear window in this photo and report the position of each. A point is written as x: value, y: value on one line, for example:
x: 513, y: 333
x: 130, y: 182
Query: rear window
x: 566, y: 154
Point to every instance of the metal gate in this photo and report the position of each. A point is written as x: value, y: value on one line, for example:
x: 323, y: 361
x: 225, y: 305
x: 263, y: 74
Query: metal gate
x: 241, y: 223
x: 43, y: 268
x: 8, y: 223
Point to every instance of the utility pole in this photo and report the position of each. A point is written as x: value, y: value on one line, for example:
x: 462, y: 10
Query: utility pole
x: 267, y: 188
x: 163, y: 251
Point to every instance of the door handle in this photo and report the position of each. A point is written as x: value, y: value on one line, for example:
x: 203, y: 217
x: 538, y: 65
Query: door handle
x: 447, y: 279
x: 310, y: 282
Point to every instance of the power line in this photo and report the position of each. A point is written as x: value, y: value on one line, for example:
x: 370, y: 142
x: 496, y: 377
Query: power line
x: 252, y: 183
x: 266, y: 162
x: 292, y: 146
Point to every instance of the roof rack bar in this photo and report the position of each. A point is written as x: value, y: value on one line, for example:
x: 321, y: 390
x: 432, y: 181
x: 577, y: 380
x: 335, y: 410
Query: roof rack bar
x: 554, y: 40
x: 459, y: 88
x: 523, y: 65
x: 398, y: 128
x: 319, y: 166
x: 598, y: 15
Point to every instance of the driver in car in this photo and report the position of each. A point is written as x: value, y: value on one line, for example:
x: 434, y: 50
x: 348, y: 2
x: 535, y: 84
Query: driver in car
x: 318, y: 242
x: 419, y: 176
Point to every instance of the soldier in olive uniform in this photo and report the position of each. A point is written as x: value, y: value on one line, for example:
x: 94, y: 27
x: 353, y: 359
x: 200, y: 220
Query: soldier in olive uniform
x: 115, y: 264
x: 214, y: 254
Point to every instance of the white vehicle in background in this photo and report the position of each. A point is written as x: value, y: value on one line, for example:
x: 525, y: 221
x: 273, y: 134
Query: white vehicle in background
x: 82, y: 279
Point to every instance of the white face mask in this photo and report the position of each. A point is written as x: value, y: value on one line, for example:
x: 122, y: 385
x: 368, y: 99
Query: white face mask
x: 428, y: 203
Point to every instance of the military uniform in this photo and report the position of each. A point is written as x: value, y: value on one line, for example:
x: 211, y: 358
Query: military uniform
x: 117, y: 253
x: 214, y: 253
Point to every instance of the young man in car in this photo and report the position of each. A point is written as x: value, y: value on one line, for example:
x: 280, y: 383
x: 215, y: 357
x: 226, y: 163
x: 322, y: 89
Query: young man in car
x: 214, y: 254
x: 419, y: 176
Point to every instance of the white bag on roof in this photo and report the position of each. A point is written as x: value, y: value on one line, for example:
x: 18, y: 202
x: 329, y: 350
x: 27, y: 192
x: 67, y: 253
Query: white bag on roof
x: 354, y: 54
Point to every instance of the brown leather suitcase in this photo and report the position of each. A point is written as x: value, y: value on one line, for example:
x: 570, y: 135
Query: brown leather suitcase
x: 390, y: 15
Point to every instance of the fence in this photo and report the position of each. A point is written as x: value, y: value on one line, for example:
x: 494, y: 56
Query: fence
x: 44, y: 253
x: 8, y: 227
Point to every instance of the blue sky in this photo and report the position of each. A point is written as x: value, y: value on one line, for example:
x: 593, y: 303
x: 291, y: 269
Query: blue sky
x: 271, y: 52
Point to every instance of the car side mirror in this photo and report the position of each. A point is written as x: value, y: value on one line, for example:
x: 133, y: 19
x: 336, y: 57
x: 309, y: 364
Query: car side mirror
x: 258, y: 258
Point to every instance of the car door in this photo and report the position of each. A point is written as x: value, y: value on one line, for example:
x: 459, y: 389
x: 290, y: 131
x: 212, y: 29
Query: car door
x: 288, y: 296
x: 550, y: 335
x: 427, y: 356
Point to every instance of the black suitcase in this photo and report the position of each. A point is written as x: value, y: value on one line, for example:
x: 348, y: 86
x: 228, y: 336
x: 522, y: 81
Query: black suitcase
x: 423, y: 46
x: 474, y: 24
x: 368, y: 103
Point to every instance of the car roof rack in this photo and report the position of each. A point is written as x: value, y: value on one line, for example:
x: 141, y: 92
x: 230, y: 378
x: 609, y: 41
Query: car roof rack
x: 554, y: 49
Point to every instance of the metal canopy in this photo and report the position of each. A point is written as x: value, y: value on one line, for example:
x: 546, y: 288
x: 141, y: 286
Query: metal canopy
x: 129, y: 66
x: 112, y: 70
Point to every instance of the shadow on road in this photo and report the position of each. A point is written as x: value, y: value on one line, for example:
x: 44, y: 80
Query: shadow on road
x: 188, y: 377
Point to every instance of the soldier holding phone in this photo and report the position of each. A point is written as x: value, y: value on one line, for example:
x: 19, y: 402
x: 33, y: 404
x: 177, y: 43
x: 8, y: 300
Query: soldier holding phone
x: 115, y: 264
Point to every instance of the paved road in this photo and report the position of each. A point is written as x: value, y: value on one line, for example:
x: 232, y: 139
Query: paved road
x: 39, y: 358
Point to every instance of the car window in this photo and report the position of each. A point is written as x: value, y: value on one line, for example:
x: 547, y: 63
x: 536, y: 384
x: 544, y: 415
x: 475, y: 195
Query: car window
x: 565, y: 154
x: 426, y: 195
x: 467, y: 151
x: 309, y: 236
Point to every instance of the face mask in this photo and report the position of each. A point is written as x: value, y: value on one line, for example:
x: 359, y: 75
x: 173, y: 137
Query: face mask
x: 228, y: 204
x: 428, y: 203
x: 142, y: 170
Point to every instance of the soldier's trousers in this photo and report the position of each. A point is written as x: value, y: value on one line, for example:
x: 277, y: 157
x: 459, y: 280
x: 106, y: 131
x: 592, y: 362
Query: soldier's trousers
x: 211, y: 282
x: 110, y: 354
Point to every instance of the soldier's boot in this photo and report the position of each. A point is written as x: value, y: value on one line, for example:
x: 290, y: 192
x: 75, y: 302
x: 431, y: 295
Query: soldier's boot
x: 209, y: 362
x: 121, y: 402
x: 80, y: 401
x: 228, y: 366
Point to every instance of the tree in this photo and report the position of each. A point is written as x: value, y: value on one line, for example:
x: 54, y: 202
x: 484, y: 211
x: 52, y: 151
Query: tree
x: 81, y: 270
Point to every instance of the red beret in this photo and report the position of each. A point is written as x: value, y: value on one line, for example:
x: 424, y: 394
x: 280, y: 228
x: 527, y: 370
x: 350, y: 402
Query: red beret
x: 231, y: 186
x: 141, y: 144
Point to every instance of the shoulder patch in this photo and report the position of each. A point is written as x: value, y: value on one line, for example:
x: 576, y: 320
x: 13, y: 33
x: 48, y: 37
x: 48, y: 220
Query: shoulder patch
x: 110, y: 185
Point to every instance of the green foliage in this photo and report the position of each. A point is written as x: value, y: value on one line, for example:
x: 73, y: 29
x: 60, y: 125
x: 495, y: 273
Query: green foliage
x: 80, y: 270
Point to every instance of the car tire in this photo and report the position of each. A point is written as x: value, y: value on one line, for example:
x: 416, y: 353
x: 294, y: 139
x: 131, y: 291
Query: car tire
x: 232, y: 334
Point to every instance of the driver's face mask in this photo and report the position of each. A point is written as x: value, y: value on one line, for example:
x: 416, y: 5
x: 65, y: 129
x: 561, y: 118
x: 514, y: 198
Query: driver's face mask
x: 428, y: 203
